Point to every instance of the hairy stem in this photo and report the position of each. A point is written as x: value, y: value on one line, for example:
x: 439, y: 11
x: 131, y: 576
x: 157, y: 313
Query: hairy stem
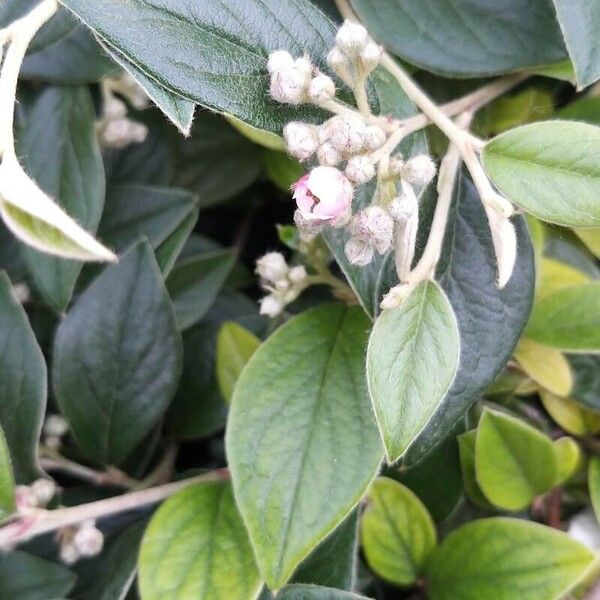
x: 45, y: 521
x: 18, y: 35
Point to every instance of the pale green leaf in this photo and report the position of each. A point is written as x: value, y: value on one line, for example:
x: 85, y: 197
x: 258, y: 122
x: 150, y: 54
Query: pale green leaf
x: 569, y: 458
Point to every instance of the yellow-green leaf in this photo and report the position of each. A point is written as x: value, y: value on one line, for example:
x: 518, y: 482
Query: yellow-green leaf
x: 569, y: 458
x: 569, y: 415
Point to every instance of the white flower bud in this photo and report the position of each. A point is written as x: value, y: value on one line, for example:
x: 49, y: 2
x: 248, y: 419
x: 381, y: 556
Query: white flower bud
x: 55, y: 425
x: 348, y: 134
x: 42, y: 491
x: 119, y: 133
x: 328, y: 155
x: 301, y: 140
x: 375, y: 226
x: 360, y: 169
x: 283, y: 285
x: 289, y: 86
x: 297, y: 274
x: 374, y: 137
x: 351, y: 38
x: 114, y: 108
x: 404, y: 206
x: 358, y: 251
x: 88, y: 540
x: 69, y: 554
x: 21, y: 292
x: 338, y: 63
x: 272, y: 267
x: 321, y: 88
x: 24, y: 498
x: 419, y: 170
x: 370, y: 56
x: 271, y: 305
x: 304, y: 66
x: 396, y: 295
x: 280, y: 60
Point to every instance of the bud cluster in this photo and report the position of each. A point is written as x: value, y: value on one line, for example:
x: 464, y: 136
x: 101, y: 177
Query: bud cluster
x: 83, y: 541
x: 282, y: 282
x: 37, y: 495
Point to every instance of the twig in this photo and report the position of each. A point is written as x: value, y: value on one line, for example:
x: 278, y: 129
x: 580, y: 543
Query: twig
x: 43, y: 521
x: 68, y: 467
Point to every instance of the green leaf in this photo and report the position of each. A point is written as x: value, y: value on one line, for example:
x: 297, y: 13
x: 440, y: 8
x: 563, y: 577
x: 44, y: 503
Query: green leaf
x: 466, y: 448
x: 235, y: 347
x: 569, y: 415
x: 569, y: 319
x: 490, y: 320
x: 206, y: 161
x: 333, y: 562
x: 117, y: 357
x: 408, y: 344
x: 7, y: 481
x: 579, y: 24
x: 301, y: 439
x: 283, y: 170
x: 594, y: 484
x: 503, y: 558
x: 60, y: 152
x: 315, y: 592
x: 586, y: 108
x: 586, y: 369
x: 26, y: 577
x: 194, y: 283
x: 23, y: 385
x: 371, y: 282
x: 198, y: 410
x: 550, y: 170
x: 217, y: 62
x: 514, y: 462
x: 463, y: 38
x: 212, y: 559
x: 398, y: 534
x: 136, y: 210
x: 569, y: 458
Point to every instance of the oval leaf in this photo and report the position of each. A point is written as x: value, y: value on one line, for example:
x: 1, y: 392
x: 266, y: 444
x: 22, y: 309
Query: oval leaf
x: 569, y: 319
x: 213, y: 559
x: 411, y: 361
x: 514, y: 462
x: 398, y: 534
x: 502, y: 558
x: 23, y: 389
x: 570, y: 416
x: 301, y: 439
x: 550, y: 169
x: 117, y: 357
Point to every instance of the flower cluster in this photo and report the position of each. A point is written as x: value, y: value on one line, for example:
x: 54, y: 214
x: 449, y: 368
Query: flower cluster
x: 37, y: 495
x: 82, y: 541
x: 282, y: 282
x: 350, y: 149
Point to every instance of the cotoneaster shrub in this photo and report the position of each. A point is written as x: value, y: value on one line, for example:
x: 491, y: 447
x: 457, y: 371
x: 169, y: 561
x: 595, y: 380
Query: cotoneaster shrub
x: 299, y: 299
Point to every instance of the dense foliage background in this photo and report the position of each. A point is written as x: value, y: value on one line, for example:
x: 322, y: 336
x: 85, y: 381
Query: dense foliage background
x: 119, y: 379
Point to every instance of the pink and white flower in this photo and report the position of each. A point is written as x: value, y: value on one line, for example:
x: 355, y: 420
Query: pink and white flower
x: 324, y: 195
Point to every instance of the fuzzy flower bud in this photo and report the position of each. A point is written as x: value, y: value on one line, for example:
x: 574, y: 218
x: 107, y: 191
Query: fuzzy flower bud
x: 370, y: 56
x: 396, y: 295
x: 68, y: 554
x: 339, y: 64
x: 351, y: 38
x: 324, y: 195
x: 396, y: 166
x: 119, y: 133
x: 348, y: 134
x: 321, y: 88
x: 280, y: 60
x: 374, y: 137
x: 272, y: 267
x: 358, y: 251
x: 297, y: 274
x: 360, y: 169
x: 328, y: 155
x: 419, y: 170
x: 55, y: 425
x: 88, y: 540
x: 289, y: 84
x: 271, y: 305
x: 404, y: 206
x: 42, y: 491
x: 301, y: 140
x: 375, y: 226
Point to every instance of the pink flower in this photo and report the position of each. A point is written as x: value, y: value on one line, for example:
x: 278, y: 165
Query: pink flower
x: 324, y: 195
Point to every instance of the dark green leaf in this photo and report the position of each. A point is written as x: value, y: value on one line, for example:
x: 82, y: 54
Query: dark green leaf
x: 26, y: 577
x: 196, y: 548
x: 195, y: 282
x: 503, y: 558
x: 61, y: 153
x: 465, y: 39
x: 579, y: 24
x: 23, y: 385
x: 213, y: 53
x: 117, y: 357
x: 301, y: 439
x: 490, y: 320
x: 586, y: 371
